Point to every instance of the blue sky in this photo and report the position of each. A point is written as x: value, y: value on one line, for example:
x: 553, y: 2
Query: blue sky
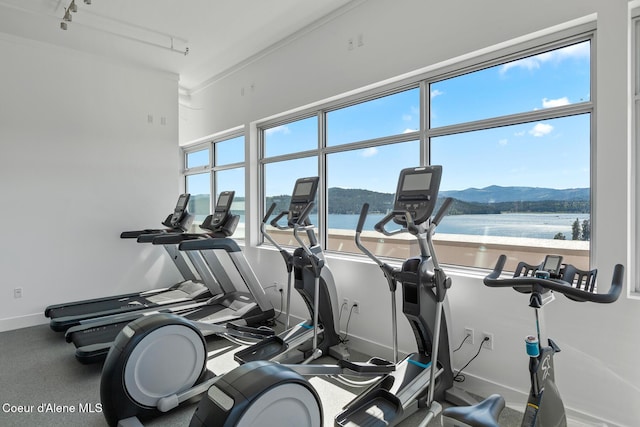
x: 549, y: 153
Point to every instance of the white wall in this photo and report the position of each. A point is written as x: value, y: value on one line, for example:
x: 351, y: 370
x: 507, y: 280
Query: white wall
x: 597, y: 369
x: 80, y: 163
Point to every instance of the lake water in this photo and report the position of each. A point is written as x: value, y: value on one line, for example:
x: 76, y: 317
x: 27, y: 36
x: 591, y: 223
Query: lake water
x: 532, y: 225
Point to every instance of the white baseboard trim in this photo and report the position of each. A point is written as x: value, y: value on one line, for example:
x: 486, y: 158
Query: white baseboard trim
x: 19, y: 322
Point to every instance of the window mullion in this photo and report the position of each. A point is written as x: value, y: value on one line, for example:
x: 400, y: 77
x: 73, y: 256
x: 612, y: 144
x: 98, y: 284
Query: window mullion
x: 513, y: 119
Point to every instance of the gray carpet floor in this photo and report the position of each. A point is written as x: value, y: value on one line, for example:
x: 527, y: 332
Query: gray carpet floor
x: 39, y: 374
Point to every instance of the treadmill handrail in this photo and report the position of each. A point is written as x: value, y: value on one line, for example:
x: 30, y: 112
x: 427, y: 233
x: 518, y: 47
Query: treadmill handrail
x: 174, y: 239
x: 226, y: 244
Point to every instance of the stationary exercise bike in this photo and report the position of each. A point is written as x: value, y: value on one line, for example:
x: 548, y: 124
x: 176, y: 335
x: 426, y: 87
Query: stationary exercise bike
x: 266, y: 393
x: 544, y: 405
x: 137, y: 382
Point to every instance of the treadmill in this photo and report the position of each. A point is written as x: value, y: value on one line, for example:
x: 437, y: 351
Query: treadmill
x: 192, y: 288
x: 241, y: 305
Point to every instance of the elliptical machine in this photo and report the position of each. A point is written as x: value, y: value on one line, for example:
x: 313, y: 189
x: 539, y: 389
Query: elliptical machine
x: 265, y: 393
x: 136, y: 383
x: 424, y: 378
x: 544, y: 406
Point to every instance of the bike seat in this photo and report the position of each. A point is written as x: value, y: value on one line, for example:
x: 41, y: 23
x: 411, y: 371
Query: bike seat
x: 483, y: 414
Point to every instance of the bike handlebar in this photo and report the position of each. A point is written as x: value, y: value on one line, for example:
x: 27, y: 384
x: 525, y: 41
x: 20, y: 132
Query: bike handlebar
x: 493, y: 280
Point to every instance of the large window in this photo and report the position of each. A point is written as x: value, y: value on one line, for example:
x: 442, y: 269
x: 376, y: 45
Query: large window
x: 366, y: 146
x: 517, y: 157
x: 365, y: 175
x: 513, y: 135
x: 214, y: 167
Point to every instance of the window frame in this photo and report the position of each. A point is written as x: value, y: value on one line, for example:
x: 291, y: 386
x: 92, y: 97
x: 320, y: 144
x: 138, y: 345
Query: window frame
x: 323, y: 150
x: 212, y: 168
x: 423, y: 80
x: 635, y: 152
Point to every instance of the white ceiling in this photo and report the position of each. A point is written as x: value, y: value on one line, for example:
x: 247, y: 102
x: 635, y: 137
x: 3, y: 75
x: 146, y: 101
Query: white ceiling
x: 219, y: 34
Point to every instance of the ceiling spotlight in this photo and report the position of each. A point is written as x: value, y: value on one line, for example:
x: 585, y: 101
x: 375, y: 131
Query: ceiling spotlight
x: 63, y: 26
x: 67, y: 15
x: 87, y: 1
x: 72, y: 7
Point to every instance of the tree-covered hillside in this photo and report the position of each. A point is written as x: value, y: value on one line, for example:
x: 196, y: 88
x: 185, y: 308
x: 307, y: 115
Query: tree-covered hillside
x: 523, y: 199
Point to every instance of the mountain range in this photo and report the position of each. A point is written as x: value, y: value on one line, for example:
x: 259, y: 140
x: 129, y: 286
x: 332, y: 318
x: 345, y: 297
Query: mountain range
x: 497, y: 194
x: 489, y: 200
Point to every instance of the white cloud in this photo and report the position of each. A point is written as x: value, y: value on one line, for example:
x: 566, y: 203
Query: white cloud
x: 409, y: 130
x: 580, y: 50
x: 541, y: 129
x: 519, y: 133
x: 503, y: 142
x: 435, y: 93
x: 278, y: 129
x: 526, y: 63
x: 549, y: 103
x: 370, y: 152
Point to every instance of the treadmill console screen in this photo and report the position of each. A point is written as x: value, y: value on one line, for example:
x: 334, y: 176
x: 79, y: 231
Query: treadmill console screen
x: 223, y: 206
x: 417, y: 193
x: 180, y: 209
x: 304, y: 192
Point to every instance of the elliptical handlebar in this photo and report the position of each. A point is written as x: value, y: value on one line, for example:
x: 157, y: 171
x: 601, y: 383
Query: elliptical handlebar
x: 363, y: 217
x: 274, y: 223
x: 493, y: 280
x: 411, y: 227
x: 380, y: 225
x: 269, y: 212
x: 442, y: 211
x: 301, y: 223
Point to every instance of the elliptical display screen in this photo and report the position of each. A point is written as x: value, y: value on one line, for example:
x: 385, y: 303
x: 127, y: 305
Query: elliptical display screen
x: 303, y: 189
x: 417, y: 193
x: 304, y: 192
x: 416, y: 182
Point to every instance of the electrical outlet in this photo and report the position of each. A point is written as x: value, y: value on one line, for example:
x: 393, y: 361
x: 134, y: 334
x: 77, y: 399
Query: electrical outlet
x: 356, y: 307
x: 17, y: 293
x: 278, y: 287
x: 345, y: 304
x: 469, y: 332
x: 487, y: 343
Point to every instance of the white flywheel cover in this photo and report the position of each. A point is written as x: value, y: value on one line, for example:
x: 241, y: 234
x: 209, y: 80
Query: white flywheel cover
x: 168, y: 360
x: 287, y: 404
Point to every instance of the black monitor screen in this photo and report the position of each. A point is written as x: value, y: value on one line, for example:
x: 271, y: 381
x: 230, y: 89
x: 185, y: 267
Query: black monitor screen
x: 552, y: 263
x: 416, y: 182
x: 303, y: 189
x: 182, y: 202
x: 223, y: 201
